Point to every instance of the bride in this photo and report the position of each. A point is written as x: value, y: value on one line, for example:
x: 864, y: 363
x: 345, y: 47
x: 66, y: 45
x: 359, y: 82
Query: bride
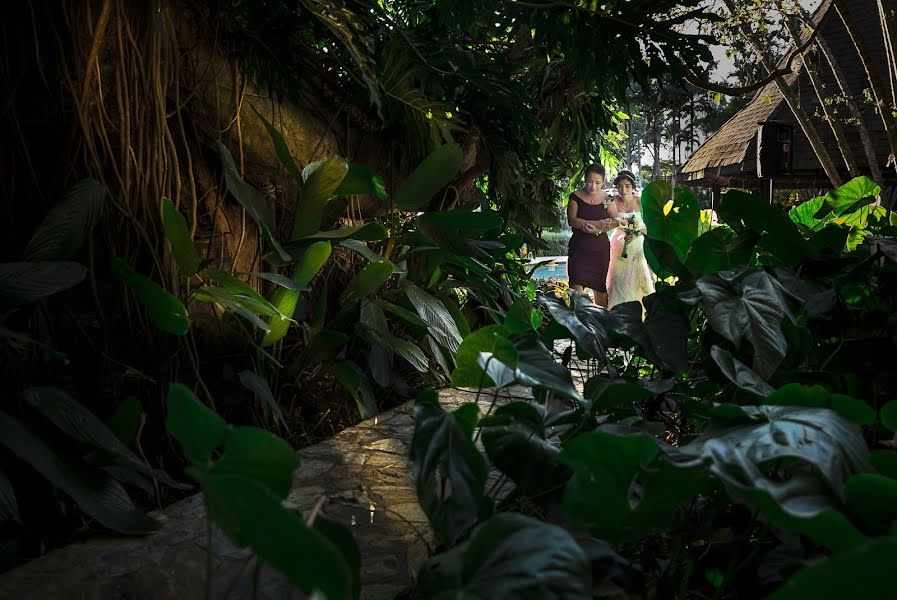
x: 628, y: 278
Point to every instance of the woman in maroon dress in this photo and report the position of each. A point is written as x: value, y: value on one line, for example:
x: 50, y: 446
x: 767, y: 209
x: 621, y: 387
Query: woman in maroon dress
x: 589, y: 252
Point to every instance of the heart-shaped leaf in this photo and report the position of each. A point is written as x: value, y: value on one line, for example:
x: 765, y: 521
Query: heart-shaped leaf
x: 752, y: 309
x: 669, y: 219
x: 251, y: 515
x: 196, y: 427
x: 510, y: 556
x: 449, y: 472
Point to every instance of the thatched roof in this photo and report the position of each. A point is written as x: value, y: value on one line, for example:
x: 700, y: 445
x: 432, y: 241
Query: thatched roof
x: 731, y: 152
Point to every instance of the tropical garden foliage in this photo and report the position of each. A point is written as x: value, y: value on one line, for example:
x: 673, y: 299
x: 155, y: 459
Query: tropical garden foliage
x: 717, y: 447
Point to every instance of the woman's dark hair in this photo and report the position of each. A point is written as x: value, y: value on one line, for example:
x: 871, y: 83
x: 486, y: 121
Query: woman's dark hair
x: 624, y: 174
x: 597, y: 169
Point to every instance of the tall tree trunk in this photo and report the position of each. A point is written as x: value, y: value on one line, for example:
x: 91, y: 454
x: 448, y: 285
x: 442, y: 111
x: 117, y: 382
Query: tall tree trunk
x: 878, y: 91
x: 819, y: 87
x: 793, y: 102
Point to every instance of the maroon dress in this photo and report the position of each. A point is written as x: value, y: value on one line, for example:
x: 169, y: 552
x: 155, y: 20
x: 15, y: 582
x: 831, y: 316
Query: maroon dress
x: 589, y: 254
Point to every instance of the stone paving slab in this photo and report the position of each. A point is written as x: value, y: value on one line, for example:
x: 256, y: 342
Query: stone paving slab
x: 363, y: 474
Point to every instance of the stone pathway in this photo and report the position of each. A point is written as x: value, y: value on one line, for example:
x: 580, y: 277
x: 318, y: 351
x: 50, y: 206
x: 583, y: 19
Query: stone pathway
x: 363, y: 473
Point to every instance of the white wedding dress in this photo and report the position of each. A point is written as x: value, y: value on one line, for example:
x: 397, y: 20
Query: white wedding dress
x: 628, y: 278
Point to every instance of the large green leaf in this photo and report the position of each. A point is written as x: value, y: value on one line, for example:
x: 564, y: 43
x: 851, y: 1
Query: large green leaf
x: 257, y: 384
x: 863, y: 570
x: 872, y: 500
x: 361, y: 179
x: 24, y: 282
x: 251, y: 515
x: 751, y: 309
x: 164, y: 310
x: 795, y: 394
x: 820, y: 437
x: 587, y: 323
x: 341, y: 537
x: 850, y: 197
x: 234, y: 302
x: 259, y: 455
x: 242, y: 293
x: 319, y: 187
x: 492, y: 339
x: 280, y: 147
x: 125, y: 421
x: 669, y: 219
x: 441, y: 324
x: 719, y: 249
x: 68, y: 224
x: 178, y: 234
x: 622, y: 488
x: 449, y: 472
x: 805, y: 214
x: 72, y: 418
x: 803, y: 504
x: 438, y: 169
x: 510, y: 556
x: 9, y: 508
x: 351, y: 377
x: 250, y: 199
x: 366, y: 281
x: 96, y: 494
x: 739, y: 373
x: 366, y: 232
x: 313, y: 259
x: 668, y: 329
x: 514, y: 439
x: 778, y: 234
x: 196, y: 427
x: 888, y: 415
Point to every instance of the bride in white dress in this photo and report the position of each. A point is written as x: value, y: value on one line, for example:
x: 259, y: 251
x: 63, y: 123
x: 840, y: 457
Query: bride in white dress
x: 628, y: 278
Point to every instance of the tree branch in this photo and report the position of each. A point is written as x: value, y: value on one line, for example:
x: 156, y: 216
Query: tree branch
x: 696, y: 80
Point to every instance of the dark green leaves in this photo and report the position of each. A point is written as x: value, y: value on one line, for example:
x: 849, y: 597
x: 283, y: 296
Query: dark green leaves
x: 244, y: 491
x: 622, y: 489
x: 491, y: 339
x: 198, y: 428
x: 67, y: 225
x: 448, y: 470
x: 24, y: 282
x: 517, y: 430
x: 178, y: 234
x: 441, y: 324
x: 840, y: 575
x: 317, y: 189
x: 97, y: 494
x: 165, y: 311
x: 438, y: 169
x: 669, y: 219
x: 251, y: 515
x: 367, y: 281
x: 778, y: 234
x: 361, y: 179
x: 510, y: 556
x: 751, y: 309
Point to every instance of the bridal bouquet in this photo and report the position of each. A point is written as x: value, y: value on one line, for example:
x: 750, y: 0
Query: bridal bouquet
x: 630, y: 226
